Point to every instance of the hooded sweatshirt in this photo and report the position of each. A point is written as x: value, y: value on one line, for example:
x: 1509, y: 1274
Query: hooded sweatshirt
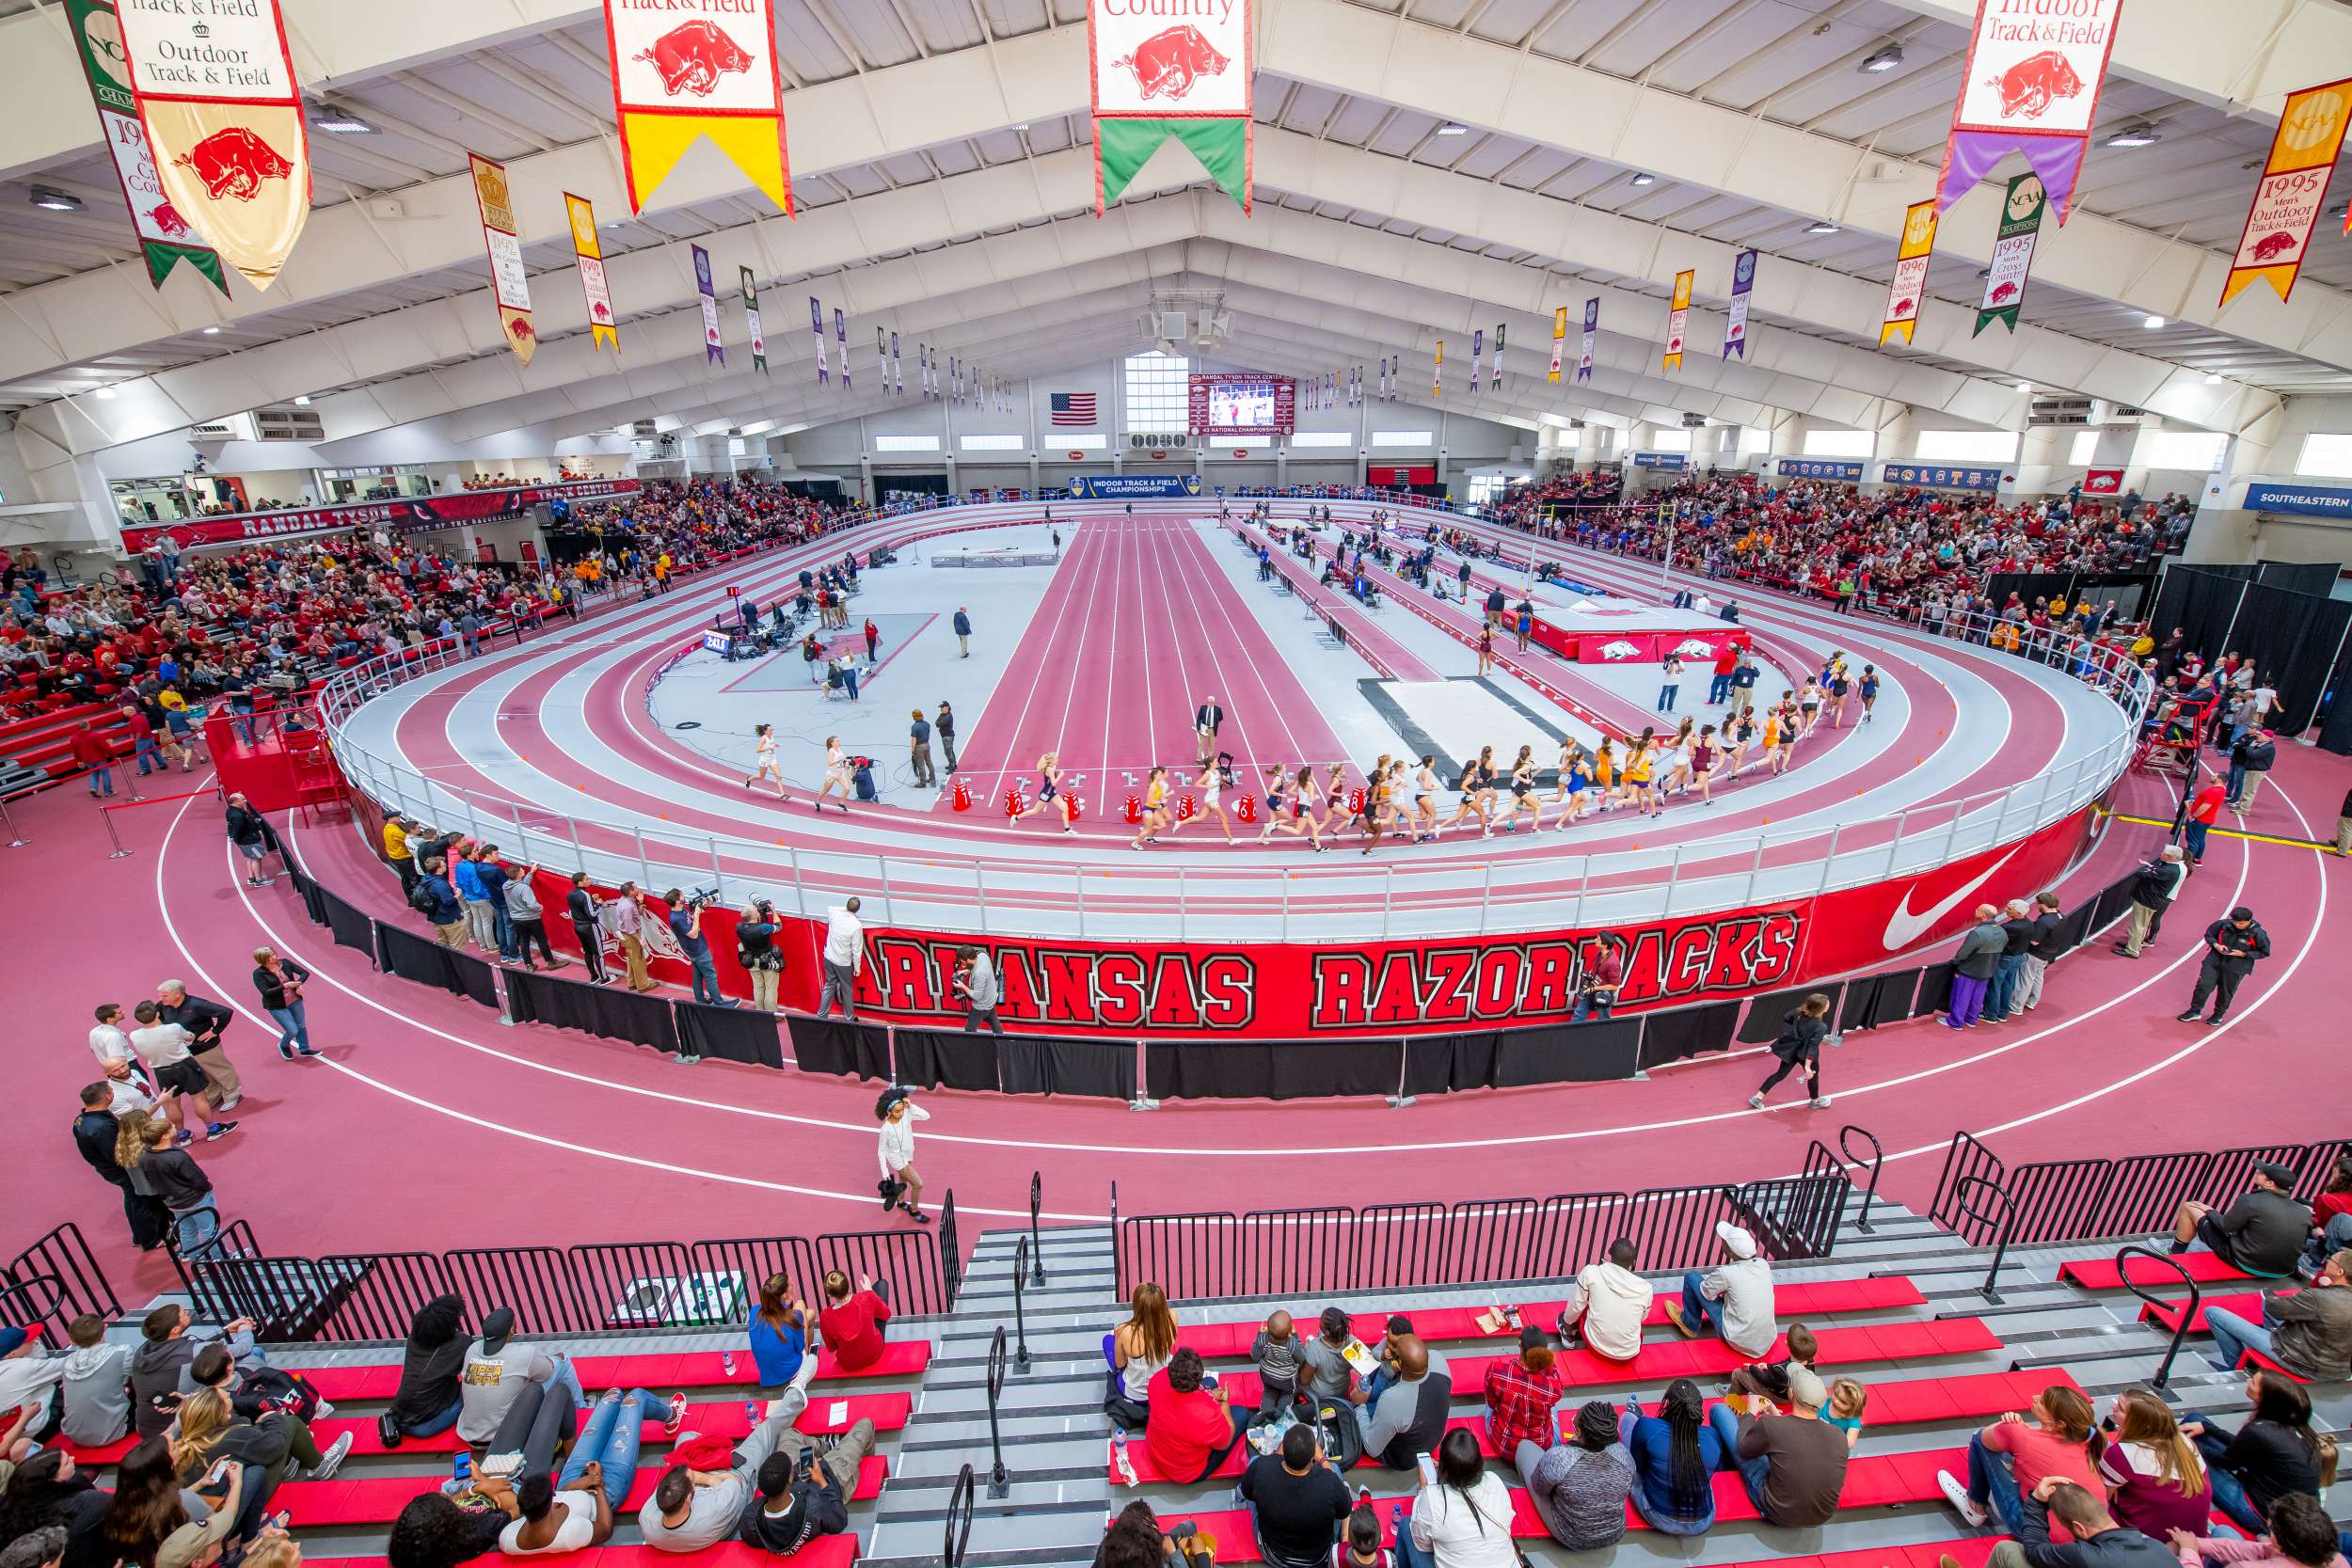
x: 430, y: 1361
x: 97, y: 1394
x: 159, y: 1369
x: 1615, y: 1302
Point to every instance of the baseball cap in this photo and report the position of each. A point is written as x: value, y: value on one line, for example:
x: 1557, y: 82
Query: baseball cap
x: 1804, y: 1386
x: 2281, y: 1175
x: 1736, y: 1238
x: 185, y: 1546
x: 11, y: 1340
x: 497, y: 1330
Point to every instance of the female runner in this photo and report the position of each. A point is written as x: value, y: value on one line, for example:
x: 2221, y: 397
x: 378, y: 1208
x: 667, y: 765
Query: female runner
x: 1639, y: 769
x: 1154, y: 808
x: 836, y: 776
x: 1049, y: 790
x: 1212, y: 783
x: 1304, y: 794
x: 1576, y: 780
x: 1604, y: 777
x: 764, y: 758
x: 1277, y: 789
x: 1426, y: 788
x: 1738, y: 736
x: 1784, y: 745
x: 1523, y: 793
x: 1704, y: 755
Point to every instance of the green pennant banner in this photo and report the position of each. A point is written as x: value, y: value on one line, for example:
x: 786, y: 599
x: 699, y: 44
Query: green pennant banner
x: 2022, y: 208
x: 1155, y: 81
x: 165, y: 237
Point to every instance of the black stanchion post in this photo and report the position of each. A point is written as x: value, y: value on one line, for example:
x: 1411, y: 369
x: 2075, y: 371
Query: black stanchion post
x: 999, y: 1479
x: 959, y: 1534
x: 1037, y: 1247
x: 1020, y: 1317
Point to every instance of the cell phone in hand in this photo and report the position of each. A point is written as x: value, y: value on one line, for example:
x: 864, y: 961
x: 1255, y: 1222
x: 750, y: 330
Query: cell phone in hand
x: 1428, y: 1468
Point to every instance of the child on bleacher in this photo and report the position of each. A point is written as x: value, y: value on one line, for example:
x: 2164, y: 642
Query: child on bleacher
x: 1847, y: 1398
x: 1362, y: 1548
x: 1768, y: 1381
x: 1276, y: 1352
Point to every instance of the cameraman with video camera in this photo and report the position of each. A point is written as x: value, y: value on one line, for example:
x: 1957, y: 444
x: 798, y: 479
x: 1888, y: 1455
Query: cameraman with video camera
x: 685, y: 924
x: 756, y: 950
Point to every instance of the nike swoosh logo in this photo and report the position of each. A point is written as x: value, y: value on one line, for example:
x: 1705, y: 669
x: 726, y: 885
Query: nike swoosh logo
x: 1903, y: 927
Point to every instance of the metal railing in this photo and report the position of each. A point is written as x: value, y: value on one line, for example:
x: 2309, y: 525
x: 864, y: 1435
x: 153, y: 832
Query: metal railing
x: 1820, y: 1160
x: 2187, y: 1309
x: 60, y: 1254
x: 1481, y: 1241
x: 1018, y: 895
x: 2095, y: 1199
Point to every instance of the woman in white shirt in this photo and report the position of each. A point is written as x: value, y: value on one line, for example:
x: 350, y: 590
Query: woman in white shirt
x: 764, y: 758
x: 1462, y: 1519
x: 899, y: 1113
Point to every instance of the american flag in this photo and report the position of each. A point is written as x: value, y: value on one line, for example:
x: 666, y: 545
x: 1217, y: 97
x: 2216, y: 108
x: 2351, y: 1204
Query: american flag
x: 1073, y: 408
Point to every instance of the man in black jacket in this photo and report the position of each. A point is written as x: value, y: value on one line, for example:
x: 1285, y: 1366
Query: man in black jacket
x: 580, y: 904
x: 2232, y: 946
x: 2250, y: 761
x: 2039, y: 951
x: 2261, y: 1233
x: 2152, y: 891
x: 250, y: 832
x: 2099, y: 1541
x: 94, y: 1133
x: 203, y: 1020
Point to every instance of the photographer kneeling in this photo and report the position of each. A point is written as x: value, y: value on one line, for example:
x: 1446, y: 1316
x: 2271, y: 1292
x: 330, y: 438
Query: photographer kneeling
x: 756, y: 950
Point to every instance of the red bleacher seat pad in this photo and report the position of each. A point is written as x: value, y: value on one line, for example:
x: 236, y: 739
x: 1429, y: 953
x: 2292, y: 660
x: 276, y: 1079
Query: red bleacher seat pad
x: 2101, y: 1274
x: 657, y: 1373
x: 2253, y: 1358
x: 377, y: 1500
x: 2167, y: 1313
x: 889, y: 1412
x: 826, y: 1551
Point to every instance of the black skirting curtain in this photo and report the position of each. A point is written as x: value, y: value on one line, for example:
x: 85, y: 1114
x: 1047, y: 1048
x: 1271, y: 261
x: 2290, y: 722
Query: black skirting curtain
x: 351, y: 927
x: 595, y: 1009
x: 474, y: 978
x: 730, y: 1034
x: 1439, y: 1063
x: 1676, y: 1032
x: 1766, y: 1014
x: 1936, y: 990
x: 413, y: 957
x: 313, y: 896
x: 1271, y: 1069
x: 1567, y: 1053
x: 837, y: 1046
x: 1056, y: 1064
x: 935, y: 1058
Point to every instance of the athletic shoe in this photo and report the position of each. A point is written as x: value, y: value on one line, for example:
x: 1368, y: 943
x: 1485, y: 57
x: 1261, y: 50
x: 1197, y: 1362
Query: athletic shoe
x: 1957, y: 1495
x: 2188, y: 1017
x: 285, y: 1050
x: 219, y: 1130
x: 1674, y: 1316
x: 677, y: 1418
x: 307, y: 1052
x: 326, y: 1408
x: 1755, y: 1102
x: 1822, y: 1103
x: 331, y: 1460
x: 184, y: 1139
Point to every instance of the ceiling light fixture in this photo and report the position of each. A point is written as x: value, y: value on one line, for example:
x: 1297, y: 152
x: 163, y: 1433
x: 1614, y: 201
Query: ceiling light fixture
x: 55, y: 201
x: 2212, y: 378
x: 1823, y: 227
x: 1641, y: 180
x: 2138, y: 134
x: 1450, y: 129
x: 2152, y: 323
x: 339, y: 122
x: 2025, y: 386
x: 105, y: 394
x: 212, y: 332
x: 1885, y: 58
x: 303, y: 402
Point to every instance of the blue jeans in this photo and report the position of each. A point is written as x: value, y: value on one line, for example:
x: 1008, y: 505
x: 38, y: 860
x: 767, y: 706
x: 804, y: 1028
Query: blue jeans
x: 1407, y: 1554
x: 2002, y: 993
x: 2232, y: 1336
x: 1666, y: 695
x: 2337, y: 1236
x: 2196, y: 837
x: 1658, y: 1519
x: 199, y: 1230
x: 1592, y: 1006
x: 1718, y: 689
x: 292, y: 1027
x: 2229, y: 1493
x: 101, y: 777
x: 1752, y: 1472
x: 148, y: 755
x: 706, y: 979
x: 433, y: 1426
x: 1697, y: 1312
x: 1992, y: 1479
x: 611, y: 1438
x: 2237, y: 781
x: 503, y: 927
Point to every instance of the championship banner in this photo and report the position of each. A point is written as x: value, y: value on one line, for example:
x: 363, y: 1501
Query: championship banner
x: 1678, y: 319
x: 882, y: 357
x: 1592, y: 331
x: 1558, y: 342
x: 751, y: 316
x: 1478, y: 355
x: 713, y: 350
x: 923, y: 370
x: 1155, y: 82
x: 2012, y: 253
x: 222, y: 115
x: 2031, y: 85
x: 1437, y: 372
x: 508, y: 280
x: 588, y: 259
x: 165, y: 237
x: 2294, y: 189
x: 1496, y: 384
x: 1910, y: 283
x: 817, y: 330
x: 1735, y: 330
x: 898, y: 370
x: 841, y: 344
x: 683, y: 69
x: 955, y: 380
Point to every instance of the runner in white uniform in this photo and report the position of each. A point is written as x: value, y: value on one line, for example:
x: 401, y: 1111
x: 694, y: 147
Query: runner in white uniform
x: 764, y: 758
x: 836, y: 776
x: 1212, y: 783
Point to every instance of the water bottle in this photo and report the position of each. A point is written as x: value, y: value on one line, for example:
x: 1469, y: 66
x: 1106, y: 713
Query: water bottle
x: 1118, y: 1453
x: 754, y: 1412
x: 726, y: 1362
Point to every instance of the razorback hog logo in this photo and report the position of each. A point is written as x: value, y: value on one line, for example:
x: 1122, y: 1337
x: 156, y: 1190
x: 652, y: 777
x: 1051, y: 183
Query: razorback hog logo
x: 603, y: 312
x: 1169, y: 62
x: 2033, y: 84
x: 1695, y: 647
x: 1905, y: 307
x: 235, y: 161
x: 1619, y: 648
x: 2005, y: 293
x: 2271, y: 246
x: 519, y: 327
x: 167, y: 220
x: 692, y: 57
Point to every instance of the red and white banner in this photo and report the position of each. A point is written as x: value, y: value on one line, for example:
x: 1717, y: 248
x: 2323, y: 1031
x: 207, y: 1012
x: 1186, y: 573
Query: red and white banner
x: 588, y: 258
x: 510, y: 284
x: 2103, y: 482
x: 1909, y: 285
x: 1678, y: 319
x: 683, y: 69
x: 2031, y: 85
x: 406, y: 515
x: 2294, y: 190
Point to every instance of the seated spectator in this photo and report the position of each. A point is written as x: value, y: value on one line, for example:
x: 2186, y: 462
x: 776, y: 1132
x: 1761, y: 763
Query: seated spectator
x: 1607, y: 1305
x: 436, y: 1530
x: 1139, y: 1350
x: 44, y: 1548
x: 1767, y: 1382
x: 2010, y: 1458
x: 1325, y: 1357
x: 1362, y: 1548
x: 28, y: 1384
x: 1408, y: 1417
x: 1522, y: 1393
x: 495, y: 1373
x: 1399, y: 1330
x: 2332, y: 1210
x: 804, y: 1496
x: 1134, y: 1541
x: 2309, y: 1332
x: 1193, y: 1427
x: 1675, y: 1452
x: 1579, y: 1487
x: 2274, y: 1455
x: 97, y: 1385
x: 2261, y: 1233
x: 159, y: 1367
x: 1847, y: 1399
x: 575, y: 1509
x: 852, y: 1322
x: 427, y: 1403
x: 262, y: 1392
x: 2084, y: 1536
x: 2300, y: 1536
x: 1744, y: 1286
x: 1296, y: 1501
x: 209, y: 1432
x: 778, y: 1329
x: 1275, y: 1353
x: 49, y: 1491
x: 2156, y: 1478
x: 1463, y: 1518
x: 707, y: 1488
x: 1793, y: 1466
x: 146, y: 1507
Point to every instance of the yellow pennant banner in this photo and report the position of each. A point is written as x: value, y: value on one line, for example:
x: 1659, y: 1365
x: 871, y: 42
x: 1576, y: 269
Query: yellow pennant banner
x: 508, y: 282
x: 1910, y: 283
x: 588, y: 256
x: 1437, y: 372
x: 2294, y: 190
x: 1678, y: 319
x: 683, y: 69
x: 1558, y: 336
x: 223, y: 116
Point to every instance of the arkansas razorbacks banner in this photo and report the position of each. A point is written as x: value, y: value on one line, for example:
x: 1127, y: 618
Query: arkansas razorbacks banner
x: 817, y: 330
x: 509, y: 284
x: 1478, y: 353
x: 841, y: 342
x: 588, y: 258
x: 1558, y: 342
x: 2294, y: 189
x: 751, y: 319
x: 898, y: 370
x: 2012, y: 253
x: 1437, y: 372
x: 1495, y: 383
x: 2031, y: 85
x: 222, y: 112
x: 683, y: 69
x: 1156, y: 78
x: 1678, y: 319
x: 1910, y: 283
x: 1736, y: 329
x: 1592, y: 331
x: 164, y: 238
x: 714, y: 350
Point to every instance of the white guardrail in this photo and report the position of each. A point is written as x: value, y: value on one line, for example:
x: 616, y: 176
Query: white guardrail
x: 1019, y: 895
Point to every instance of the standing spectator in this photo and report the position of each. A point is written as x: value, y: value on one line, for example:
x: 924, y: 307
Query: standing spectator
x: 2344, y: 825
x: 580, y: 904
x: 97, y: 1130
x: 1192, y: 1428
x: 94, y: 754
x: 628, y: 922
x: 1579, y: 1487
x: 403, y: 860
x: 963, y: 642
x: 1522, y: 1391
x: 250, y: 832
x: 920, y: 750
x: 873, y: 638
x: 204, y: 1019
x: 1672, y: 689
x: 2261, y: 1233
x: 158, y: 1168
x: 1719, y: 685
x: 495, y: 880
x: 1206, y: 721
x: 685, y: 924
x: 2153, y: 890
x: 845, y: 948
x: 850, y: 1323
x: 899, y: 1112
x: 1793, y: 1466
x: 1744, y: 1286
x: 2000, y: 997
x: 481, y: 917
x: 2057, y: 1439
x: 1296, y: 1501
x: 1607, y: 1305
x: 1975, y: 964
x: 164, y: 1047
x: 279, y: 981
x: 975, y: 982
x: 434, y: 899
x: 2306, y: 1332
x: 120, y: 1063
x: 2250, y: 761
x: 2233, y: 947
x: 755, y: 929
x: 945, y: 723
x: 141, y: 729
x: 527, y: 919
x: 2039, y: 952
